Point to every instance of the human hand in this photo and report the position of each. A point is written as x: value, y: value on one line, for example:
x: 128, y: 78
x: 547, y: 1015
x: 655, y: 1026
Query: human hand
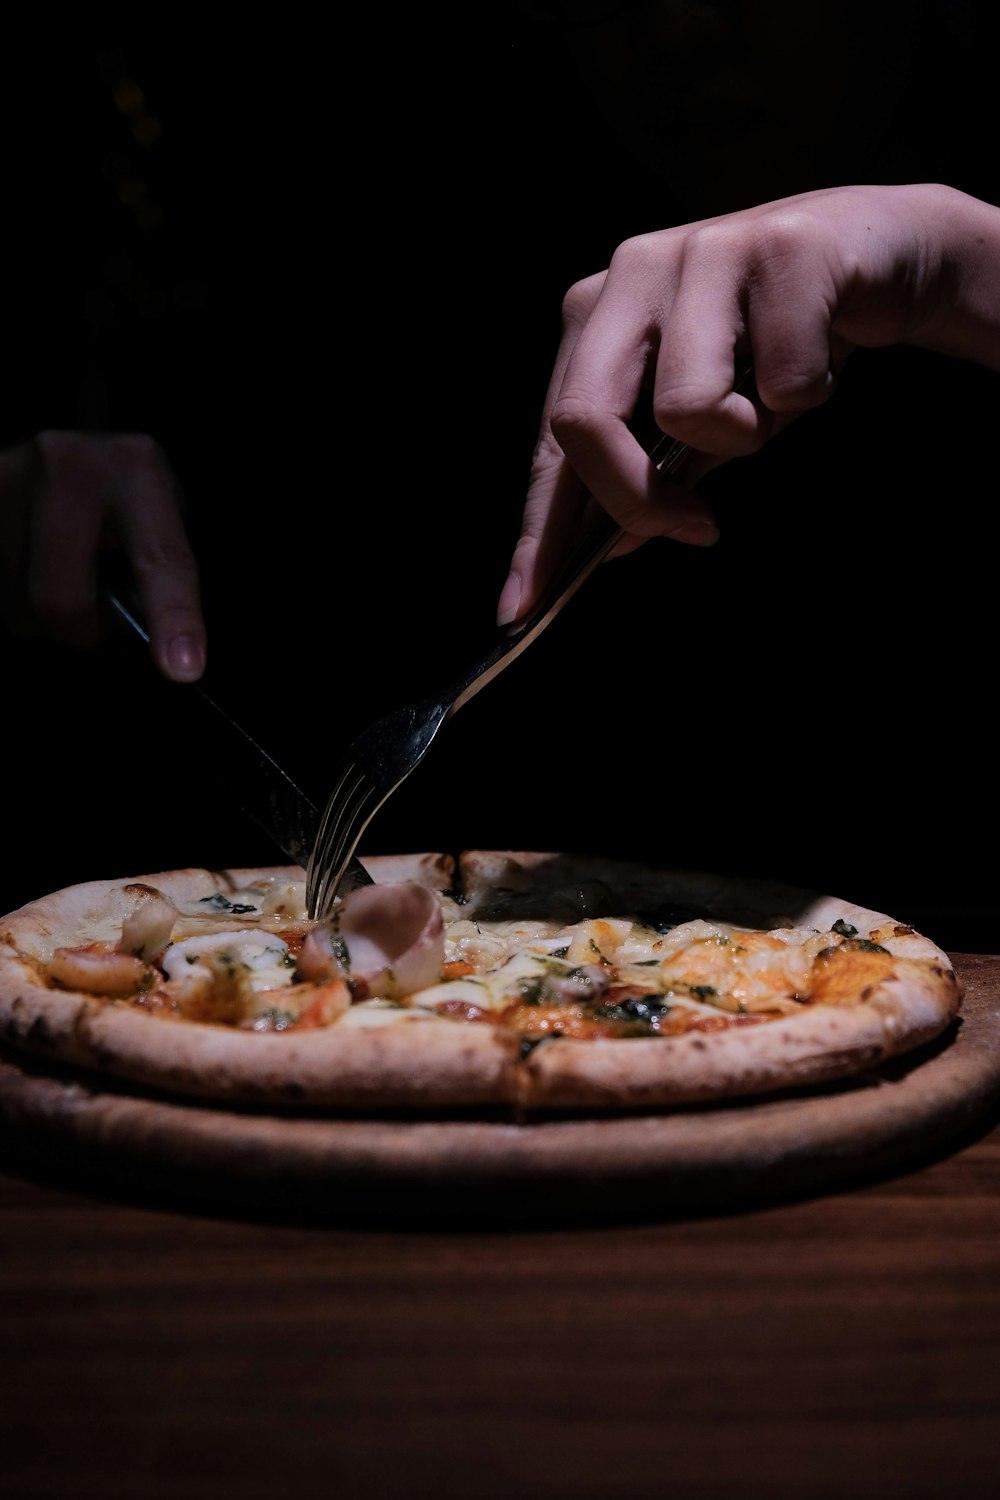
x: 67, y: 497
x: 794, y: 286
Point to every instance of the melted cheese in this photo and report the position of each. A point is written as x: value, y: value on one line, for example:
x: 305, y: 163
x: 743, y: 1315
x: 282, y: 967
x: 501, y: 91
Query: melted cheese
x: 261, y: 959
x: 278, y: 902
x: 601, y: 970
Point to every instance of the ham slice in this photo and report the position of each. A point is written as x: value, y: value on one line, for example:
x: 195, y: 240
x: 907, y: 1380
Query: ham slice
x: 386, y: 940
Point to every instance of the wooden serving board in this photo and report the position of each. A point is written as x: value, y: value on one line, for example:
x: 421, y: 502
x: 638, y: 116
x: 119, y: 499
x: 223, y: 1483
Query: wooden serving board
x: 471, y: 1170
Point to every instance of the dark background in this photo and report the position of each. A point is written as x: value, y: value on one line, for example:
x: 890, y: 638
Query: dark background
x: 327, y: 280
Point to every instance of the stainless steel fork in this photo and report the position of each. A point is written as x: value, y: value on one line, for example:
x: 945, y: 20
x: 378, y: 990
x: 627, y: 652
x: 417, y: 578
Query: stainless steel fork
x: 382, y: 756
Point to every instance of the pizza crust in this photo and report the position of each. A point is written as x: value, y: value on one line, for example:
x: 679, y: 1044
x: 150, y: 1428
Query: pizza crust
x: 797, y: 1052
x: 428, y: 1063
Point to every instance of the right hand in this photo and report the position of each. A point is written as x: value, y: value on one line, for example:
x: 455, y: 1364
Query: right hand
x: 792, y: 286
x: 66, y: 497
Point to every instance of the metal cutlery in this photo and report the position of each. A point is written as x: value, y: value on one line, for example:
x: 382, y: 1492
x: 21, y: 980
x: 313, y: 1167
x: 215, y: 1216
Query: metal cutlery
x: 253, y: 778
x: 384, y: 754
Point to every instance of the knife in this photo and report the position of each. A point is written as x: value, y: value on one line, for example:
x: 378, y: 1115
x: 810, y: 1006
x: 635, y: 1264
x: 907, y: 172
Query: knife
x: 258, y: 785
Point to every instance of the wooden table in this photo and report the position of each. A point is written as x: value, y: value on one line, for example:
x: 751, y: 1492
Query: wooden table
x: 845, y: 1344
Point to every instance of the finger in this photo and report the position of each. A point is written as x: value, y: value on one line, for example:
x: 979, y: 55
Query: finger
x: 556, y: 501
x: 67, y: 500
x: 94, y: 490
x: 556, y: 496
x: 760, y: 283
x: 795, y: 362
x: 791, y: 305
x: 148, y: 505
x: 601, y: 393
x: 697, y: 395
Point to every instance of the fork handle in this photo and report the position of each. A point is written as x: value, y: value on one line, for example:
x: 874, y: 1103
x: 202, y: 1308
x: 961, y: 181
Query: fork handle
x: 514, y: 639
x: 667, y: 455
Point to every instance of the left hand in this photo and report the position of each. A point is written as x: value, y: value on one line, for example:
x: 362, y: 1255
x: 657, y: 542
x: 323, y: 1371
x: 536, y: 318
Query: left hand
x: 67, y: 497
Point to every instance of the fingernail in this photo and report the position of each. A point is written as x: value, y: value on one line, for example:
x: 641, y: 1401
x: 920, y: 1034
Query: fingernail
x: 510, y: 598
x: 696, y: 533
x: 185, y: 658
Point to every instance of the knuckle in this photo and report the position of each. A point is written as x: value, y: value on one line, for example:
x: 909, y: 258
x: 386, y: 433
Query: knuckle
x: 161, y: 557
x: 53, y: 446
x: 638, y: 251
x: 784, y: 264
x: 791, y: 388
x: 696, y: 417
x: 52, y: 439
x: 60, y: 461
x: 578, y: 302
x: 574, y: 423
x: 783, y: 232
x: 63, y: 450
x: 547, y: 457
x: 690, y: 413
x: 681, y: 402
x: 137, y: 450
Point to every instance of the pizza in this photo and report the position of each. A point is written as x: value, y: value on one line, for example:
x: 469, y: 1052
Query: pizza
x: 533, y: 984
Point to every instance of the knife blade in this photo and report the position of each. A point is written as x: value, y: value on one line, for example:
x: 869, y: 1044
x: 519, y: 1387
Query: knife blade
x: 257, y: 783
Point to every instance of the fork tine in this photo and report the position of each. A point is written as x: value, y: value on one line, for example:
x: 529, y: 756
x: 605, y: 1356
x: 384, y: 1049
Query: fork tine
x: 343, y: 791
x: 317, y: 871
x: 348, y: 812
